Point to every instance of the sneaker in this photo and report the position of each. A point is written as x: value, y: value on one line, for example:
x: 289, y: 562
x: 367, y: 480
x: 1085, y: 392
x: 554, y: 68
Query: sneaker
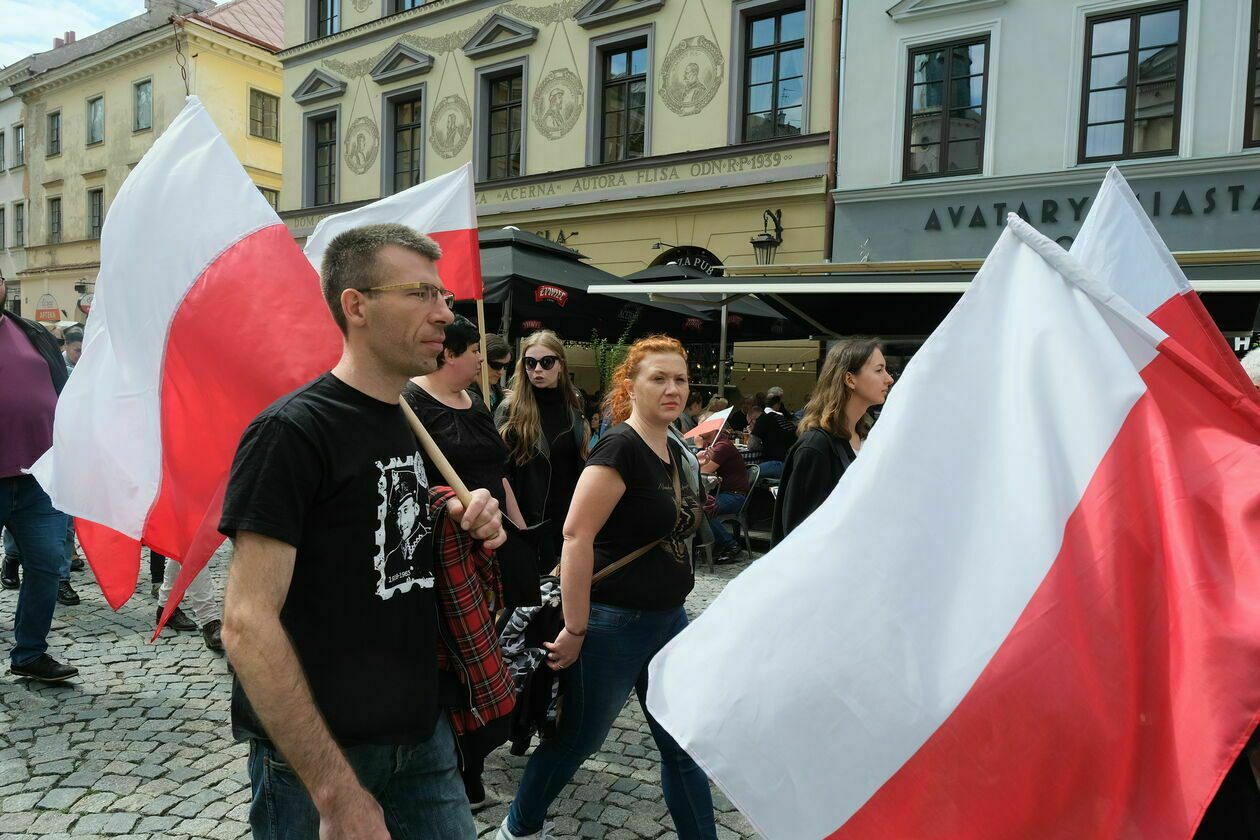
x: 504, y: 834
x: 212, y: 633
x: 76, y: 563
x: 9, y: 576
x: 66, y: 595
x: 178, y: 621
x: 45, y: 669
x: 731, y: 554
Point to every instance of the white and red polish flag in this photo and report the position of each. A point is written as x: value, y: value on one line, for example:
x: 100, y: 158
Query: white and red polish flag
x: 1030, y: 609
x: 206, y: 311
x: 712, y: 424
x: 444, y: 207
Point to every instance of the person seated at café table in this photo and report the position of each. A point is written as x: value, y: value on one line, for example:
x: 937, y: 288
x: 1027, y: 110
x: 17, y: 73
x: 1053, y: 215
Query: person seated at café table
x: 720, y: 457
x: 772, y: 435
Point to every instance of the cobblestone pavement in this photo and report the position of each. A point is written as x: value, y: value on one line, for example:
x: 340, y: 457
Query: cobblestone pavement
x: 139, y: 745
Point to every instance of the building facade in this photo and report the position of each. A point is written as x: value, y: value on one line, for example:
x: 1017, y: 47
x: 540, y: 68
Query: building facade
x: 611, y: 126
x: 12, y: 192
x: 93, y: 107
x: 956, y: 112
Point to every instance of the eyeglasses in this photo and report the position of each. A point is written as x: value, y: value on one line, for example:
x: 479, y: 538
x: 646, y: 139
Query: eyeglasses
x: 429, y: 293
x: 546, y: 362
x: 499, y: 365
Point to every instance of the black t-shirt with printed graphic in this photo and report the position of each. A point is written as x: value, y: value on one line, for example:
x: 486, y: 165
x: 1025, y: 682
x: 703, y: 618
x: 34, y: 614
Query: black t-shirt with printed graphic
x: 337, y: 474
x: 661, y: 578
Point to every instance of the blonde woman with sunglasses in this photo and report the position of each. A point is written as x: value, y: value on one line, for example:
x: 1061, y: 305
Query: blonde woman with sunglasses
x: 546, y: 435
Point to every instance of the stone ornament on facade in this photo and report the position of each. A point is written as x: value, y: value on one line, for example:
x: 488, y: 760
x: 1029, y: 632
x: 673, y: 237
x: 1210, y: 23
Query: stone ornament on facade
x: 557, y: 103
x: 450, y: 125
x: 691, y: 75
x: 361, y: 6
x: 362, y: 143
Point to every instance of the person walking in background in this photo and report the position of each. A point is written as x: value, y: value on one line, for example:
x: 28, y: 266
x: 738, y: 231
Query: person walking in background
x: 633, y: 510
x: 33, y: 372
x: 722, y: 458
x: 498, y: 360
x: 201, y: 599
x: 854, y: 377
x: 546, y: 434
x: 772, y: 434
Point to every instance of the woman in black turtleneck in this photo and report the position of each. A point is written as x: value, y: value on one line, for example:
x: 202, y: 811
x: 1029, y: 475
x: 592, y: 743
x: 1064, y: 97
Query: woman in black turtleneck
x: 546, y: 436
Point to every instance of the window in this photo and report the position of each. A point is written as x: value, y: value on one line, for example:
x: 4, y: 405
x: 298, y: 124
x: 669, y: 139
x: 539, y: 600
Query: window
x: 1252, y: 135
x: 327, y: 17
x: 774, y: 74
x: 54, y: 221
x: 19, y: 225
x: 623, y: 122
x: 408, y: 148
x: 325, y: 173
x: 404, y: 5
x: 272, y: 196
x: 142, y: 105
x: 96, y: 120
x: 54, y: 133
x: 505, y: 120
x: 19, y: 145
x: 945, y: 109
x: 1131, y: 102
x: 96, y: 213
x: 264, y: 115
x: 1, y: 160
x: 3, y: 241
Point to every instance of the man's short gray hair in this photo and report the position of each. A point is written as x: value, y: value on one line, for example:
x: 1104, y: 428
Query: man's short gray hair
x: 774, y: 394
x: 1251, y: 364
x: 350, y: 260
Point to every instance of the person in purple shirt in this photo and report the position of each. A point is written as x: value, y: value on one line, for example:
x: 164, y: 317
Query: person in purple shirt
x: 33, y: 372
x: 721, y: 457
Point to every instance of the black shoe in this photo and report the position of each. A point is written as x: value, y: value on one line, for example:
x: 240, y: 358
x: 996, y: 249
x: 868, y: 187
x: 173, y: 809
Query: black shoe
x: 66, y: 595
x: 76, y: 564
x: 178, y: 621
x: 45, y: 669
x: 728, y: 555
x: 212, y: 633
x: 9, y: 577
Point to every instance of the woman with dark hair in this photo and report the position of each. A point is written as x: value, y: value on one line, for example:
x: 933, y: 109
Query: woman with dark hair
x: 624, y: 575
x: 457, y: 418
x: 498, y: 360
x: 545, y: 432
x: 854, y: 377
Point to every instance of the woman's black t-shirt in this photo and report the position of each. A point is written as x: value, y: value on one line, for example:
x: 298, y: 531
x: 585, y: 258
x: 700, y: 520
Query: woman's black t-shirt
x: 468, y: 439
x: 661, y: 578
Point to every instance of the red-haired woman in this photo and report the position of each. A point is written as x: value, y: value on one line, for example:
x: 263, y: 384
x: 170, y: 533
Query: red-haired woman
x: 633, y: 508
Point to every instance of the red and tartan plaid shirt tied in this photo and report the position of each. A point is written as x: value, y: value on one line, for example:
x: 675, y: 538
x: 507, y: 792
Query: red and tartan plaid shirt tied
x: 468, y: 589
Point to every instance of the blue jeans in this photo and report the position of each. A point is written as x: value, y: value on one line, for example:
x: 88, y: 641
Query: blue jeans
x: 771, y: 469
x: 726, y: 503
x: 619, y: 645
x: 40, y: 529
x: 419, y: 789
x: 13, y: 552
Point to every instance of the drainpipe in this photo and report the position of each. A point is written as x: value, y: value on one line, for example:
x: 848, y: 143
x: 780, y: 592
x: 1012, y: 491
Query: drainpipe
x: 721, y: 377
x: 839, y: 38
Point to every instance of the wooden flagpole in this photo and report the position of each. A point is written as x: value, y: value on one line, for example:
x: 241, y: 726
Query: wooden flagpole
x: 485, y: 362
x: 435, y: 454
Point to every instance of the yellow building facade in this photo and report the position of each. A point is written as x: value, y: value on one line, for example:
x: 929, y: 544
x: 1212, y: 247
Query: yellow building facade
x: 611, y: 126
x: 90, y: 120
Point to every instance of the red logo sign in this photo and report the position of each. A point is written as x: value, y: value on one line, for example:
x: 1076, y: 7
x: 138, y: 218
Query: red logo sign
x: 552, y: 293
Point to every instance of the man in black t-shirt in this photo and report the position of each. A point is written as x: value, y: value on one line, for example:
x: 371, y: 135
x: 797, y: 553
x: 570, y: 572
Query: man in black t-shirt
x: 330, y: 617
x: 773, y: 434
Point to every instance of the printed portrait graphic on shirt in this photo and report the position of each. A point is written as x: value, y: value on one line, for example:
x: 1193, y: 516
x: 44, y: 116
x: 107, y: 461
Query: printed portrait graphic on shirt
x: 402, y: 527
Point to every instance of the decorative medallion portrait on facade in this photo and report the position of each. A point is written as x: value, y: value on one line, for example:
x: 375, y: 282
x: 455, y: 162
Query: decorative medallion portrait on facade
x: 691, y: 75
x: 557, y: 103
x: 450, y: 126
x: 363, y: 142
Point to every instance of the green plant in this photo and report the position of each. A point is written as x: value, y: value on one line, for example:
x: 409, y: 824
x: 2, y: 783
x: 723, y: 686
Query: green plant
x: 609, y: 354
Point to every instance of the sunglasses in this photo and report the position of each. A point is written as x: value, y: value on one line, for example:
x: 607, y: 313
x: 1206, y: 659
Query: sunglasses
x: 499, y: 365
x: 546, y: 362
